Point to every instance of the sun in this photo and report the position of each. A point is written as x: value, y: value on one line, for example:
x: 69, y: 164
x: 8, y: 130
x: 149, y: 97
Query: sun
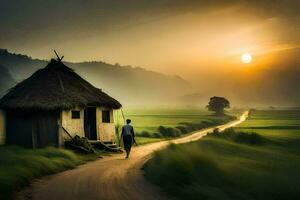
x: 246, y: 58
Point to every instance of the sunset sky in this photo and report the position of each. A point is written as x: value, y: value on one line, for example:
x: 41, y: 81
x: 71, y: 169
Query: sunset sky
x: 188, y: 38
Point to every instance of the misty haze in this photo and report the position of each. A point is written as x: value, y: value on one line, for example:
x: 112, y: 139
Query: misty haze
x: 137, y: 99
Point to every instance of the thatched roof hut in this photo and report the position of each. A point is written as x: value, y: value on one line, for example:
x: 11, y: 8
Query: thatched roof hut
x: 55, y: 100
x: 55, y: 87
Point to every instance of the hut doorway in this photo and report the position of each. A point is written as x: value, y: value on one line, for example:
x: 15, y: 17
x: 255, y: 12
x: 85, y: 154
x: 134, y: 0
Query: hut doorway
x: 90, y: 126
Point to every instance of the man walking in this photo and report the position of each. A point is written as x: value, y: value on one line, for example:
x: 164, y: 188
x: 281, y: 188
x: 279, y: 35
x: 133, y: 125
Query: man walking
x: 128, y: 137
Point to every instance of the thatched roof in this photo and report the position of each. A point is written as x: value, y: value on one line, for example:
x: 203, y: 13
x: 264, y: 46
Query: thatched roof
x: 55, y: 87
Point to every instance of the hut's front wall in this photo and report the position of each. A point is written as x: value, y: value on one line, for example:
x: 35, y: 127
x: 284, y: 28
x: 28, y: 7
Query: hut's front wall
x: 2, y: 127
x: 105, y: 131
x: 73, y: 126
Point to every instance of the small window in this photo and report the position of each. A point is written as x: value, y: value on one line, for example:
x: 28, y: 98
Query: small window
x: 105, y: 116
x: 75, y: 114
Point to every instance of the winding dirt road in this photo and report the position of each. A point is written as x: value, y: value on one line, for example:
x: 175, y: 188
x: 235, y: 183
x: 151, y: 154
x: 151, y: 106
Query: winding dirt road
x: 110, y: 178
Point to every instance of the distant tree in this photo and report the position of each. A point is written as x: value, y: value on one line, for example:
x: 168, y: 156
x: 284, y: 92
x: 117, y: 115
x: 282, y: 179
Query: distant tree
x: 218, y: 104
x: 117, y: 65
x: 272, y: 107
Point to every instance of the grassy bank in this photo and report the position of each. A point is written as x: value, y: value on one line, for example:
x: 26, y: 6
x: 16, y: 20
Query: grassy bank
x: 18, y: 166
x: 258, y: 160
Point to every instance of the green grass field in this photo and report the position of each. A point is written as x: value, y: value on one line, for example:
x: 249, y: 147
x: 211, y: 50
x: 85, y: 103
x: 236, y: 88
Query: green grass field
x: 220, y: 167
x: 281, y: 127
x: 148, y: 120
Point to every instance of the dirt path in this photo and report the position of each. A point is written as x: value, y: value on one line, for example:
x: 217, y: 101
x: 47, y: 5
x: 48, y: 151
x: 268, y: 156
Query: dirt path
x: 110, y: 178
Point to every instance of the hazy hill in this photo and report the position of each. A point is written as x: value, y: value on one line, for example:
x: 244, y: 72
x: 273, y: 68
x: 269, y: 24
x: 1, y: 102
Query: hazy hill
x: 131, y: 85
x: 6, y: 81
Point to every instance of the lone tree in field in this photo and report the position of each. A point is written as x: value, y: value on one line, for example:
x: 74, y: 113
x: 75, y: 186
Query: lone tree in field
x: 218, y: 104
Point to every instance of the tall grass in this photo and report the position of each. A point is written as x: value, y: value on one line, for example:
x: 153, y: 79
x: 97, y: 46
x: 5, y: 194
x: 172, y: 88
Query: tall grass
x: 19, y: 166
x: 250, y: 138
x: 236, y: 165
